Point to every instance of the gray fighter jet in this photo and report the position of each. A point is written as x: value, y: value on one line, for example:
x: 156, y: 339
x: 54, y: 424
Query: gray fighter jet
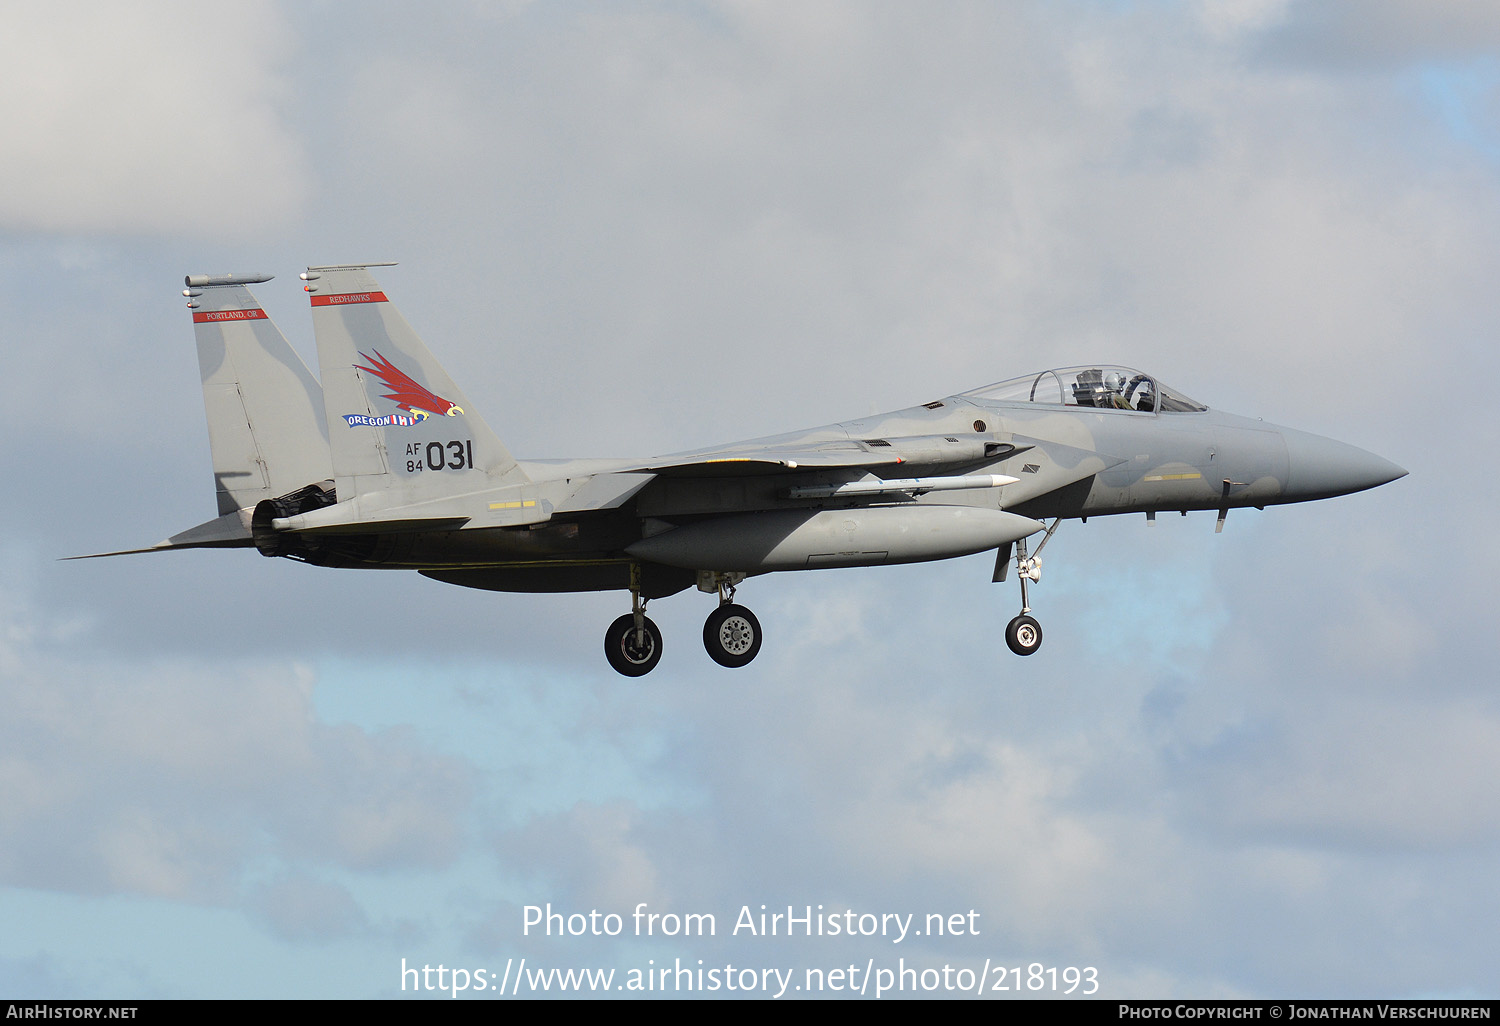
x: 388, y: 464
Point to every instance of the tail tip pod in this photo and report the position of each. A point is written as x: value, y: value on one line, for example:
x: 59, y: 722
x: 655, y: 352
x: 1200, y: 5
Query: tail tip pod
x: 201, y: 281
x: 315, y: 272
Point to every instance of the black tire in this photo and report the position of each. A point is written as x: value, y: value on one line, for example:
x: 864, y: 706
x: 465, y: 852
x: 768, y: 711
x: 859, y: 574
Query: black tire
x: 1023, y: 635
x: 622, y: 652
x: 732, y: 635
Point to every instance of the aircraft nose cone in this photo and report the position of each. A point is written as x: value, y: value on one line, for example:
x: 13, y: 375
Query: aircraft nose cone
x: 1319, y: 467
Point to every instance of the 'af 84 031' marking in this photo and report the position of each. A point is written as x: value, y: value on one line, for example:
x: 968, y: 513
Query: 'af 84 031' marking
x: 440, y: 456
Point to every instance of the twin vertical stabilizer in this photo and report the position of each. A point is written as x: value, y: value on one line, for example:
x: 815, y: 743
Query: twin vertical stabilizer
x: 265, y: 409
x: 387, y: 426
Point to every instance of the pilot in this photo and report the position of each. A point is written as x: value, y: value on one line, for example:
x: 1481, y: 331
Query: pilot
x: 1114, y: 392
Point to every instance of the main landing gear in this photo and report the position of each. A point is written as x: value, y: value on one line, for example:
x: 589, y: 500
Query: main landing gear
x: 633, y: 643
x: 1024, y: 634
x: 731, y: 634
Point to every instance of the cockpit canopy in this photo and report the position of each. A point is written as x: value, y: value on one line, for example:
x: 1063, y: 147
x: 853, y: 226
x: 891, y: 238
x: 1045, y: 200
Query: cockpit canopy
x: 1097, y: 387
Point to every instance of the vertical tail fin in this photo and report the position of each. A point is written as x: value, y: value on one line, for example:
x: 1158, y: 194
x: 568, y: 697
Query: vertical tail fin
x: 396, y: 421
x: 265, y: 409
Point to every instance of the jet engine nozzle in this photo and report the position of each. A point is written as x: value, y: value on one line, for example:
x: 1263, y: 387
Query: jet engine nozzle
x: 271, y: 542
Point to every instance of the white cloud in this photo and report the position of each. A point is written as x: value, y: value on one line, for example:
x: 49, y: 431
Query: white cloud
x: 160, y: 118
x: 1223, y: 18
x: 1398, y: 775
x: 168, y: 778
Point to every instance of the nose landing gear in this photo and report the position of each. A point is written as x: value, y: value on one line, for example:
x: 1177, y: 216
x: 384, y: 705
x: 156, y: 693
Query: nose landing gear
x: 1023, y: 634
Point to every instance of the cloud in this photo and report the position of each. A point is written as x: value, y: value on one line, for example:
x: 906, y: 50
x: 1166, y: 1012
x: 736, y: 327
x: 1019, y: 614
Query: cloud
x: 300, y: 907
x: 1374, y: 35
x: 168, y: 778
x: 157, y: 118
x: 1395, y: 775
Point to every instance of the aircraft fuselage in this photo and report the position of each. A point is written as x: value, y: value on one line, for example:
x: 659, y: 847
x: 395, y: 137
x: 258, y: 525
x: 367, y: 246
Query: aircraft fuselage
x: 1068, y: 463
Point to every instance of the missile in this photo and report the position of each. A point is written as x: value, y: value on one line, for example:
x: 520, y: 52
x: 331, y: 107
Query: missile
x: 912, y: 485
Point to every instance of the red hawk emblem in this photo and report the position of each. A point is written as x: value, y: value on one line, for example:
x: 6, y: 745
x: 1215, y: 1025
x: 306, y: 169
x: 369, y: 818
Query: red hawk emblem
x: 404, y: 390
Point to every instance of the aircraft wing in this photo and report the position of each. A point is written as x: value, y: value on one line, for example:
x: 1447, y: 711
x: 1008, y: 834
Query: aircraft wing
x: 831, y: 454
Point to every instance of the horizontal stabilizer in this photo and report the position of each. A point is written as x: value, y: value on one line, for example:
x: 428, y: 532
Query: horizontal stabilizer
x: 231, y: 531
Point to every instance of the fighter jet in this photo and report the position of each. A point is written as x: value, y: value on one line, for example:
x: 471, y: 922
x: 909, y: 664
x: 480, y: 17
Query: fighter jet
x: 388, y: 464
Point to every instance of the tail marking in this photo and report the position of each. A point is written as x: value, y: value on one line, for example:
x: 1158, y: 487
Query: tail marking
x: 210, y: 316
x: 344, y: 298
x: 405, y: 392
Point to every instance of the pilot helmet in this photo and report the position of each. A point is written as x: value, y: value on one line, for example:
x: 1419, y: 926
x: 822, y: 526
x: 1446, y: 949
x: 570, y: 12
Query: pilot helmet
x: 1114, y: 381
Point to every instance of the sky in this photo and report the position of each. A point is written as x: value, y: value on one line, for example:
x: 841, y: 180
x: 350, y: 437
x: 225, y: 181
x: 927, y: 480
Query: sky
x: 1258, y: 764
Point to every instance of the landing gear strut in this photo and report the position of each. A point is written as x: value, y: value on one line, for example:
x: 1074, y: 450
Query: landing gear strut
x: 1024, y: 634
x: 731, y: 634
x: 633, y: 643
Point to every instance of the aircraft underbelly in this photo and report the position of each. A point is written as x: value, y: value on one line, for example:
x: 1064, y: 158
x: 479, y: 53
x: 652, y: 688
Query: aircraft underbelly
x: 603, y: 575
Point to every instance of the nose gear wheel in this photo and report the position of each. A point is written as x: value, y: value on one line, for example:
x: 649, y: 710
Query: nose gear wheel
x: 1023, y: 635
